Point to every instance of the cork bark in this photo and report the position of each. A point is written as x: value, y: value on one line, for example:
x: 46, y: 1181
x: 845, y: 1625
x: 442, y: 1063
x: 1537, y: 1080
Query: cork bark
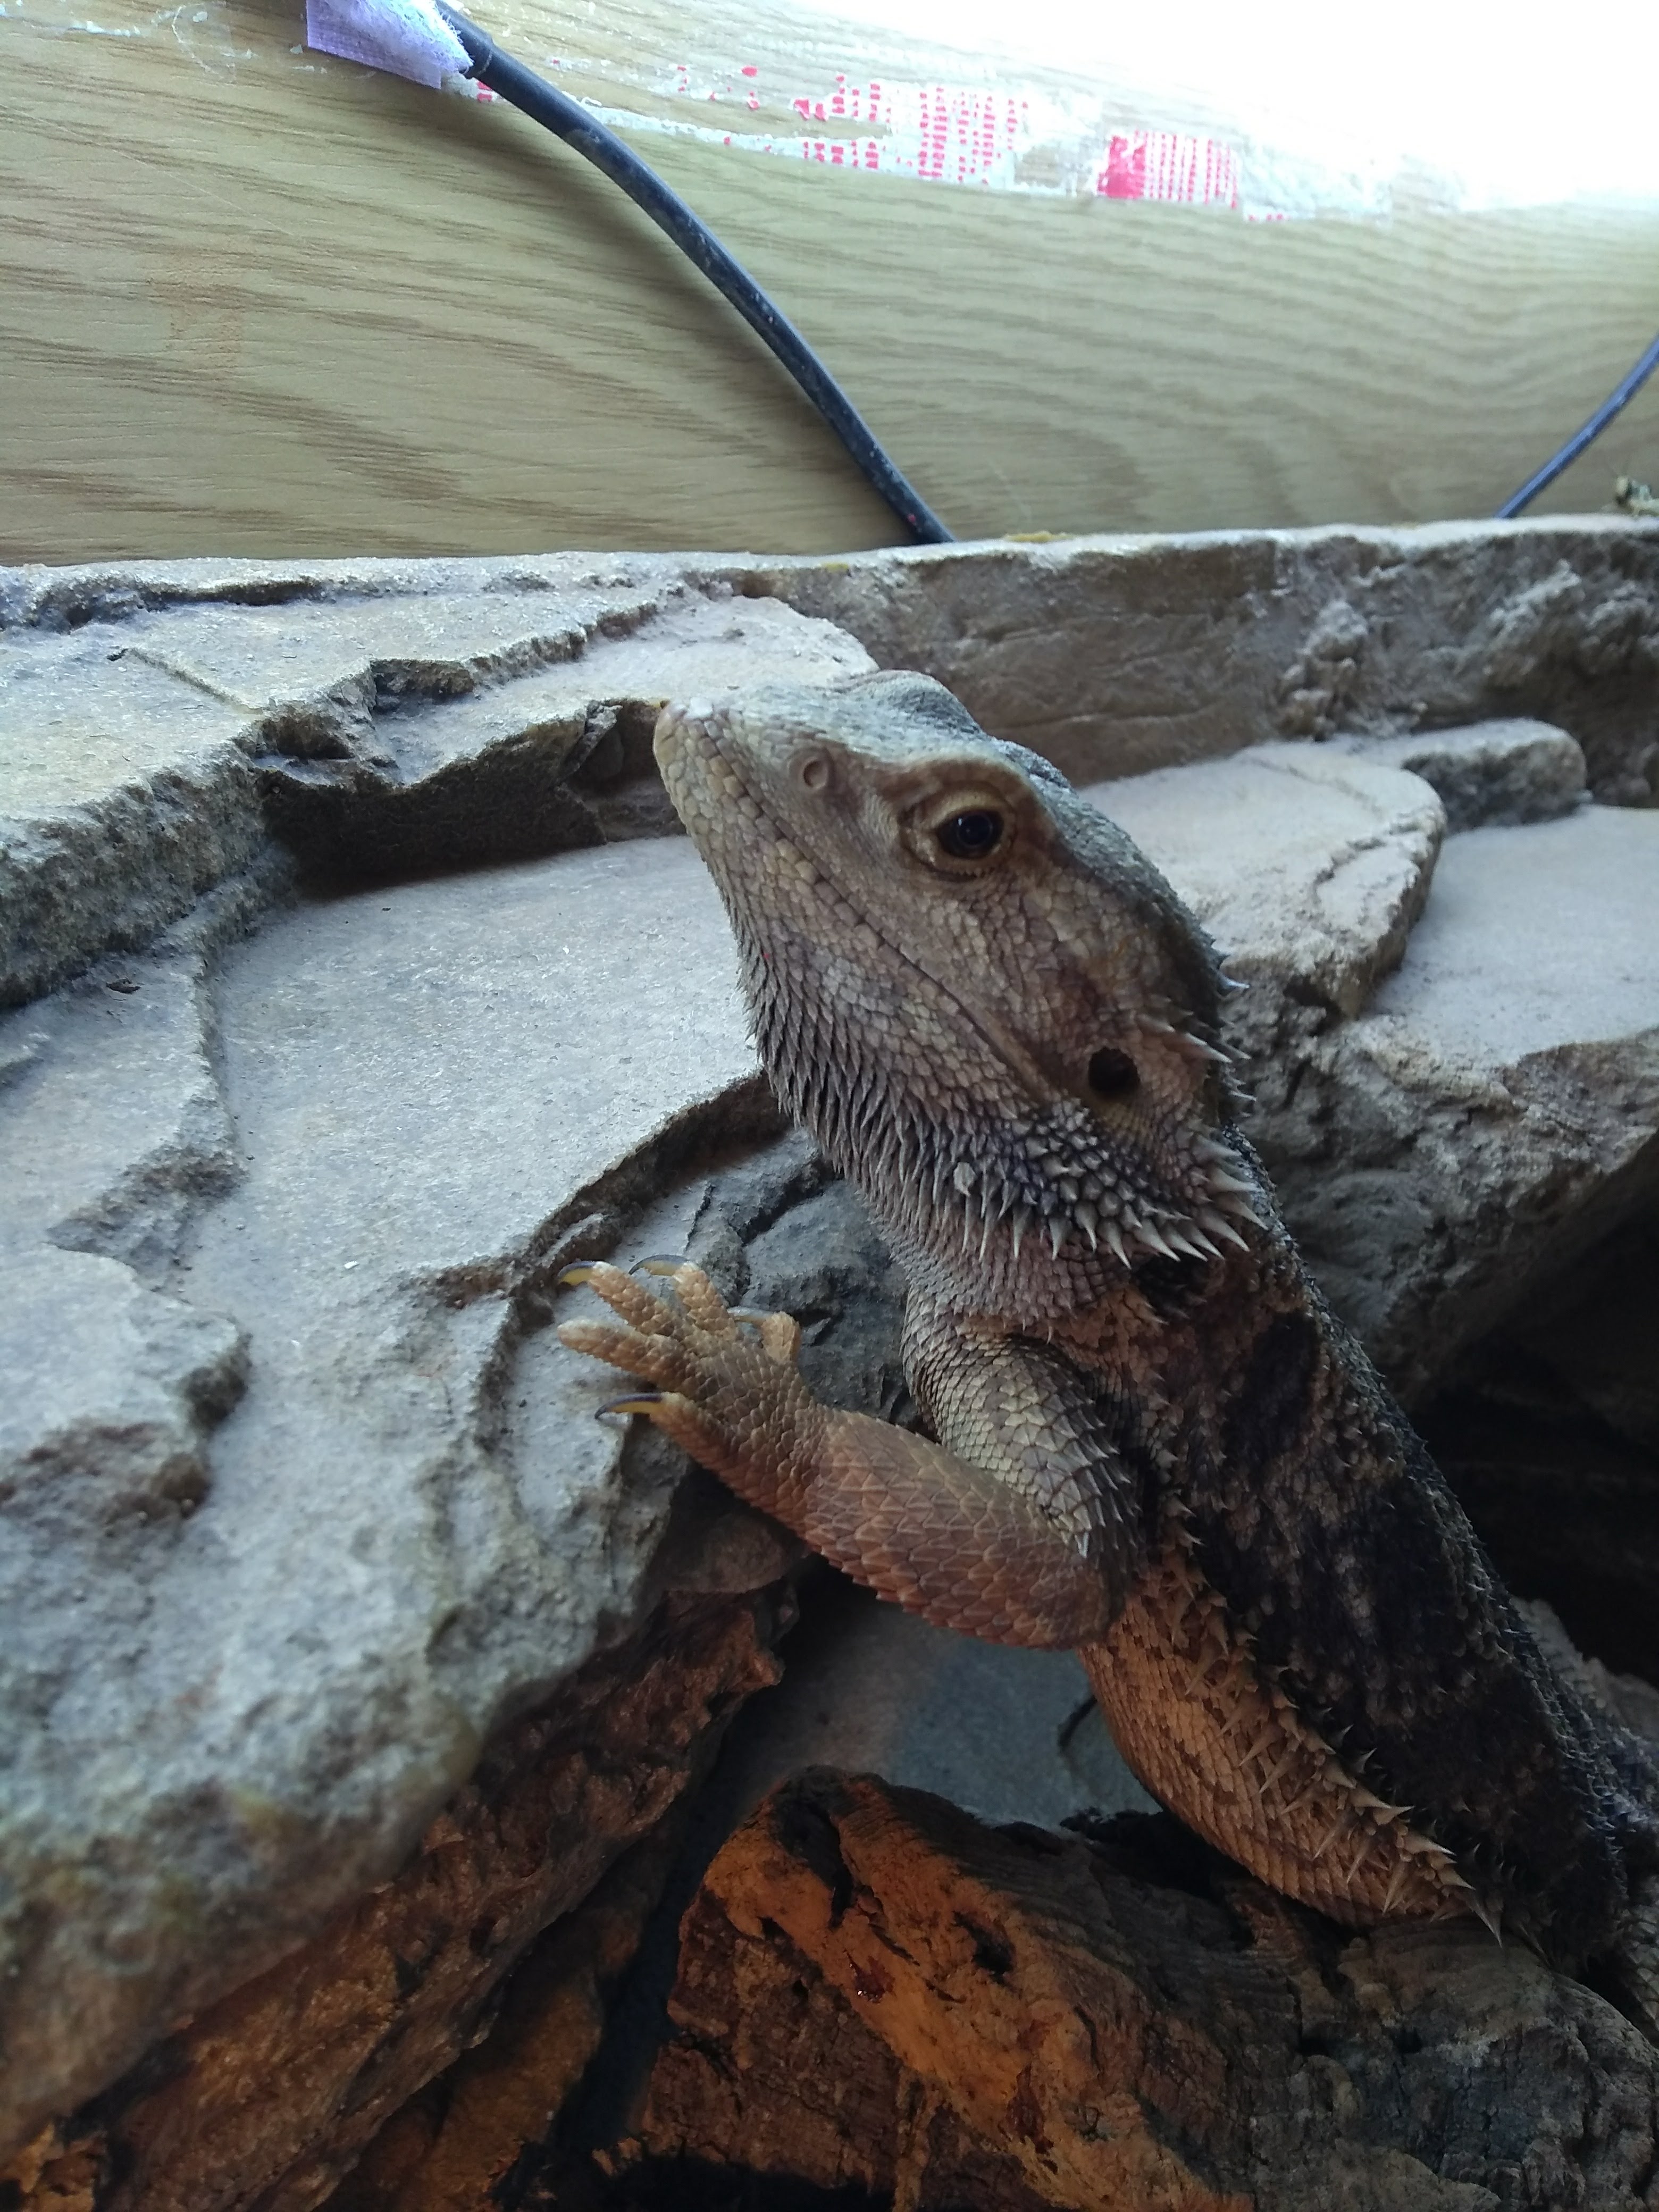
x: 879, y: 1994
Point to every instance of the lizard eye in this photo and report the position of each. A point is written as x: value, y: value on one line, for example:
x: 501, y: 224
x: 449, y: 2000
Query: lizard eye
x: 1112, y: 1073
x: 964, y: 827
x: 972, y: 835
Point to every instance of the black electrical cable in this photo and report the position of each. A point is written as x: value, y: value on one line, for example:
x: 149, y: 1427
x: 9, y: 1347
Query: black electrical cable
x: 567, y: 120
x: 1576, y: 443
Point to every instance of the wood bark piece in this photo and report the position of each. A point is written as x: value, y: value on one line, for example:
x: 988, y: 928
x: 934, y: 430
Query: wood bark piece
x: 876, y: 1989
x: 456, y: 2144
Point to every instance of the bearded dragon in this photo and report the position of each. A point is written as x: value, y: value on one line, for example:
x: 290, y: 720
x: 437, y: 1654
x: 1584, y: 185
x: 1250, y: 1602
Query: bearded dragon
x: 1151, y: 1439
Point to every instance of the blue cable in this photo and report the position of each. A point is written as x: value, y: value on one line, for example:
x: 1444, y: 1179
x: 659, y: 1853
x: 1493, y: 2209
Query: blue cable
x: 1576, y: 443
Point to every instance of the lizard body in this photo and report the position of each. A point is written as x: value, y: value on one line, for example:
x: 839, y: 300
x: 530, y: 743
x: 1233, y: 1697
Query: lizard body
x: 1151, y: 1440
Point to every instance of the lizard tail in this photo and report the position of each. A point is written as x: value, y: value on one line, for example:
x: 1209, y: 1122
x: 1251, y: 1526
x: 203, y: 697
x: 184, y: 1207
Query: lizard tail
x: 1217, y: 1744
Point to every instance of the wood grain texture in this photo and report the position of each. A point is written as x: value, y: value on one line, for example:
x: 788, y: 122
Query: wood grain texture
x: 253, y: 301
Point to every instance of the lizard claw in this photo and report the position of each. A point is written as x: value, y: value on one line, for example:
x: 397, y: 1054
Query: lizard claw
x: 641, y: 1401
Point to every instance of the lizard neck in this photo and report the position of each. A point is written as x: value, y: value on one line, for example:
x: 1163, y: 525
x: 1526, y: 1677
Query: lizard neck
x: 995, y: 1203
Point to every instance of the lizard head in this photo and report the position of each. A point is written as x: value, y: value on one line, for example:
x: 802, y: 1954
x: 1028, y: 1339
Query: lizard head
x: 990, y: 1009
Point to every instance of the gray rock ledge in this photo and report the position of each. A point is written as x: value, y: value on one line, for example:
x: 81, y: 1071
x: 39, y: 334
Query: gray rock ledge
x: 354, y: 989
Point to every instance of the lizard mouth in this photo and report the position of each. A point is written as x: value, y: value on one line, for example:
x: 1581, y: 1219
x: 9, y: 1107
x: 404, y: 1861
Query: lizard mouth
x: 1006, y: 1164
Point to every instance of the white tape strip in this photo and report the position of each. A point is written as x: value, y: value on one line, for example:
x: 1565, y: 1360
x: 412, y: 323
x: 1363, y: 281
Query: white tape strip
x: 406, y: 37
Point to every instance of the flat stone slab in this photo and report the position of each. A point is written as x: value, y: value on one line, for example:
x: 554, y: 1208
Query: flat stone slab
x: 1307, y: 866
x: 147, y: 761
x: 287, y: 1529
x: 1453, y: 1048
x: 1496, y: 1106
x: 1534, y: 939
x: 1516, y: 770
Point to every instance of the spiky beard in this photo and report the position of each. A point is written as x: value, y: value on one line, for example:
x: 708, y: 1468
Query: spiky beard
x: 1036, y: 1201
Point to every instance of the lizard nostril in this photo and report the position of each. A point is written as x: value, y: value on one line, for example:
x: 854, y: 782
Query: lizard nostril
x: 814, y: 771
x: 1112, y: 1073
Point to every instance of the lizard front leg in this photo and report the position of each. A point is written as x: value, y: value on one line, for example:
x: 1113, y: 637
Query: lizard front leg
x: 971, y: 1543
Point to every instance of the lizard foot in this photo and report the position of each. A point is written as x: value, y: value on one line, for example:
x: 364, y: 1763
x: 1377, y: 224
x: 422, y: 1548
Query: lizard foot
x: 965, y: 1545
x: 722, y: 1380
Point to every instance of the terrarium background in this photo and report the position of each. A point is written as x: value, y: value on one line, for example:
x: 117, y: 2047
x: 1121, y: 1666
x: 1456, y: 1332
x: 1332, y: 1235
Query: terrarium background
x: 256, y: 302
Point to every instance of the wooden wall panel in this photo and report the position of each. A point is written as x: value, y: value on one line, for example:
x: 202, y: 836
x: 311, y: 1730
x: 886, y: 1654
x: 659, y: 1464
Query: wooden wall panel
x: 255, y: 302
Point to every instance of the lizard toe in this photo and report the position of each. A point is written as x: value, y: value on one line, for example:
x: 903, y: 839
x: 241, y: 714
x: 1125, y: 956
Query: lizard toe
x: 702, y: 1303
x: 694, y: 1430
x: 659, y: 1361
x: 680, y: 1420
x: 640, y: 1308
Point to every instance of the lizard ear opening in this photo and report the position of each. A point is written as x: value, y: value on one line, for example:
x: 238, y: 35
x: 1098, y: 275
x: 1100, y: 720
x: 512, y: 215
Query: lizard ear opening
x: 1113, y: 1074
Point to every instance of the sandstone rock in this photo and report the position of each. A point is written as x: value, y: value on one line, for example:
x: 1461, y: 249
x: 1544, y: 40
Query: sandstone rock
x: 1535, y: 938
x: 1118, y: 655
x: 248, y: 1652
x: 877, y: 1992
x: 158, y: 716
x: 1495, y: 1108
x: 1112, y: 655
x: 1512, y: 771
x: 1307, y: 866
x: 247, y: 1658
x: 1317, y: 686
x: 123, y: 798
x: 306, y: 1622
x: 147, y: 759
x: 1444, y: 1109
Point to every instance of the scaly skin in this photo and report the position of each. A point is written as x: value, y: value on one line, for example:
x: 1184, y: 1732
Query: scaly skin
x: 1154, y: 1443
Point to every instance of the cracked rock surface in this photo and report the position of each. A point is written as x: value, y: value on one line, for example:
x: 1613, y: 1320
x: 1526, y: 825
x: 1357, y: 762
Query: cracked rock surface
x: 352, y: 988
x: 1308, y: 867
x: 297, y: 1504
x: 296, y: 1508
x: 148, y: 755
x: 1453, y: 1047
